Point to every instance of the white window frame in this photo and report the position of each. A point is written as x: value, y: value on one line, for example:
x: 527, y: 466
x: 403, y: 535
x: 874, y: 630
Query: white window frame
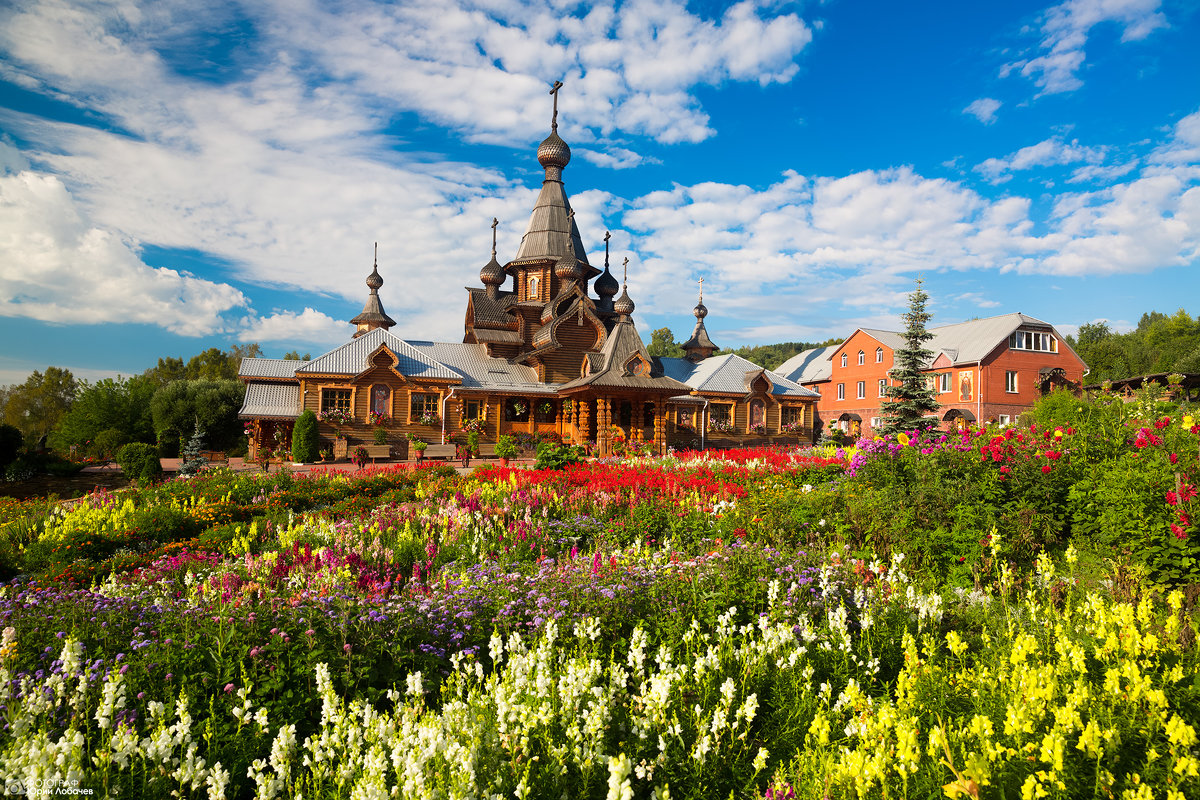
x: 862, y: 358
x: 878, y: 355
x: 883, y: 387
x: 1010, y: 381
x: 944, y: 386
x: 843, y: 359
x: 862, y: 390
x: 1036, y: 341
x: 1003, y: 419
x: 841, y: 391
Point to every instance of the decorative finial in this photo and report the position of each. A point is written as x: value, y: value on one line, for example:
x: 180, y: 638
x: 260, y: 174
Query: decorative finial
x: 625, y: 279
x: 495, y: 222
x: 377, y: 255
x: 701, y: 288
x: 554, y: 91
x: 607, y: 236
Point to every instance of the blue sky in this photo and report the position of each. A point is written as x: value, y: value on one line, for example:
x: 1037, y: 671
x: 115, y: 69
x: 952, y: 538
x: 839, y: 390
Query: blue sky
x: 171, y: 182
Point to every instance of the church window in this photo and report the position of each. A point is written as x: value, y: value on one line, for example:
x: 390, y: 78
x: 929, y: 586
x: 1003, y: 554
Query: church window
x: 423, y: 405
x: 793, y: 415
x: 878, y: 355
x: 883, y: 387
x: 472, y: 409
x: 533, y: 287
x: 335, y: 400
x: 758, y: 413
x: 843, y: 359
x: 381, y: 399
x: 721, y: 413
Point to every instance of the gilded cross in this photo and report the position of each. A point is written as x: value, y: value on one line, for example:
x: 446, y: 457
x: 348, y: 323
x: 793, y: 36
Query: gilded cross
x: 377, y: 254
x: 495, y: 222
x: 554, y: 91
x: 701, y: 288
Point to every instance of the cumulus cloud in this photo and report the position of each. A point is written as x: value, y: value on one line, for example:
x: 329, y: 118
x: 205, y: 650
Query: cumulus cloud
x: 308, y: 325
x: 1065, y: 29
x: 984, y: 109
x: 1047, y: 153
x: 59, y: 267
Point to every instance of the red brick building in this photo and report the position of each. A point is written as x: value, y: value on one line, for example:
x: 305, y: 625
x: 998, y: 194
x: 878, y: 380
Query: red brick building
x: 986, y: 370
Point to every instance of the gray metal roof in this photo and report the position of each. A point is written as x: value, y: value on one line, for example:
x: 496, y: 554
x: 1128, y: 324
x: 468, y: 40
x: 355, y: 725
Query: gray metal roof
x: 809, y: 366
x: 891, y: 339
x: 967, y: 342
x: 546, y: 235
x: 271, y: 400
x: 353, y: 358
x: 270, y: 368
x: 622, y: 343
x: 727, y: 374
x: 478, y: 370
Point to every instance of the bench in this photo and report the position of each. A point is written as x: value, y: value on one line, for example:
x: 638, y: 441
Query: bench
x: 487, y: 450
x: 445, y: 451
x: 214, y: 456
x: 377, y: 451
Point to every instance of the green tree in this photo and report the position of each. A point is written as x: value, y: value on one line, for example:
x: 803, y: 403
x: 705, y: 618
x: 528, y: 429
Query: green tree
x: 35, y: 406
x: 305, y: 442
x: 120, y: 404
x: 1092, y: 333
x: 294, y: 355
x: 179, y: 406
x: 663, y: 344
x: 907, y: 404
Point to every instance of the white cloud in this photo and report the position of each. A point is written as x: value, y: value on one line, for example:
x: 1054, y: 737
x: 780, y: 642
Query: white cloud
x: 1047, y: 153
x: 59, y: 267
x: 984, y: 109
x: 309, y: 325
x: 1065, y: 29
x: 977, y: 299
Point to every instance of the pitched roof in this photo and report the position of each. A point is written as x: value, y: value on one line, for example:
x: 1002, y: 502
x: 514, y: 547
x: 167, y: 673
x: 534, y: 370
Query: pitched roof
x: 478, y: 370
x: 489, y: 312
x: 270, y: 368
x: 728, y: 374
x: 622, y: 344
x: 353, y: 358
x: 271, y: 400
x: 809, y: 366
x: 546, y: 234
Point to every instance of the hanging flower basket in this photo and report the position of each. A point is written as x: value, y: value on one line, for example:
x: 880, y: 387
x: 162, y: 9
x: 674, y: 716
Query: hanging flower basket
x: 336, y: 416
x: 378, y: 418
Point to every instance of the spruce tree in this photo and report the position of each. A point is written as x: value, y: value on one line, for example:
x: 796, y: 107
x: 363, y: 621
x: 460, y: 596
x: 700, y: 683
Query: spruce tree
x: 906, y: 405
x: 193, y: 462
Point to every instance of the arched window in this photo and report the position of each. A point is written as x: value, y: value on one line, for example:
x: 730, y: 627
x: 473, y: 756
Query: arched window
x: 862, y: 358
x: 758, y: 413
x: 878, y: 355
x: 381, y: 400
x: 843, y: 359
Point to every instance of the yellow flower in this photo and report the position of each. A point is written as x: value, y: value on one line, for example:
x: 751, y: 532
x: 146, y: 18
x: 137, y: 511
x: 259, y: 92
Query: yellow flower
x: 1188, y: 421
x: 903, y: 439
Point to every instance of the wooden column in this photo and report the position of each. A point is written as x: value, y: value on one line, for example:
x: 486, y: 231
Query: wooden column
x: 603, y: 421
x: 584, y: 410
x: 660, y: 426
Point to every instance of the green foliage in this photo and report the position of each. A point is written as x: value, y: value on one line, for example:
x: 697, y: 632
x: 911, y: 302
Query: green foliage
x: 663, y: 344
x: 557, y: 456
x: 305, y: 441
x: 1159, y: 344
x: 211, y: 365
x: 379, y: 435
x: 214, y: 404
x: 120, y: 404
x: 770, y: 356
x: 193, y: 461
x: 473, y: 442
x: 106, y: 443
x: 10, y: 443
x: 907, y: 405
x: 506, y: 447
x: 36, y: 406
x: 140, y: 462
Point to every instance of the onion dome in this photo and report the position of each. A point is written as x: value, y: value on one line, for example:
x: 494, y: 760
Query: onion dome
x: 568, y: 268
x: 373, y: 316
x: 492, y: 273
x: 606, y: 285
x: 553, y: 152
x: 374, y: 280
x: 623, y: 305
x: 701, y: 310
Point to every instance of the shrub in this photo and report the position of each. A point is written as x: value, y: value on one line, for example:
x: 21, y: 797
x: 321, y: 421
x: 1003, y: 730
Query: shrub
x: 106, y: 443
x: 379, y: 435
x: 10, y: 444
x: 557, y: 456
x: 304, y: 438
x: 505, y: 447
x: 139, y: 462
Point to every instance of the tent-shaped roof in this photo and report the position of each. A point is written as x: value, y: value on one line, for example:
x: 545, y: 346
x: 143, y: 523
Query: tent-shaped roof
x: 728, y: 374
x: 809, y: 366
x: 622, y: 346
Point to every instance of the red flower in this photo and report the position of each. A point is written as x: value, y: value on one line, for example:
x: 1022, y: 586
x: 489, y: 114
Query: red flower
x: 1174, y: 458
x: 1159, y: 424
x: 1179, y: 532
x: 1046, y: 469
x: 1172, y: 499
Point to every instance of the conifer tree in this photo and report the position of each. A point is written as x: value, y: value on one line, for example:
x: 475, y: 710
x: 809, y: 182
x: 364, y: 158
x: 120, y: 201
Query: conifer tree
x: 193, y: 462
x: 906, y: 405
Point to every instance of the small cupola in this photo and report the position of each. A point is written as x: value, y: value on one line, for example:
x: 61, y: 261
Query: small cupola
x: 606, y: 285
x: 373, y: 316
x: 492, y: 275
x: 623, y: 305
x: 699, y: 346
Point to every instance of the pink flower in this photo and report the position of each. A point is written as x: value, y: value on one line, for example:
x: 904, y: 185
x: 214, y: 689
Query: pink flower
x: 228, y: 688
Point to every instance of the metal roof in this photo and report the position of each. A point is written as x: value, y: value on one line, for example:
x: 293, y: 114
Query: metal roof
x: 809, y: 366
x: 727, y: 374
x: 271, y: 400
x: 546, y: 235
x: 353, y: 358
x: 489, y: 311
x: 623, y: 342
x: 478, y: 370
x: 270, y: 368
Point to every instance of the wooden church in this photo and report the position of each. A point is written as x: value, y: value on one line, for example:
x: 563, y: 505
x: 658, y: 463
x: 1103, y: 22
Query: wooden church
x: 549, y: 348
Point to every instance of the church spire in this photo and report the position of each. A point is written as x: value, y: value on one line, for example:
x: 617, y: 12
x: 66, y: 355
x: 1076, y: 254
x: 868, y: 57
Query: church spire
x: 373, y: 316
x: 699, y: 347
x: 492, y: 275
x: 623, y: 305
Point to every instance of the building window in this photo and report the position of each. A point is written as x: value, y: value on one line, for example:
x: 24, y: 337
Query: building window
x: 883, y: 387
x: 842, y: 390
x: 862, y: 358
x: 793, y: 415
x: 1010, y: 382
x: 516, y: 409
x: 533, y: 287
x: 862, y: 389
x: 1003, y: 419
x: 472, y: 409
x: 422, y: 404
x: 1031, y: 340
x: 878, y: 355
x: 335, y: 400
x: 720, y: 416
x: 381, y: 400
x: 944, y: 383
x: 843, y: 359
x: 876, y: 422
